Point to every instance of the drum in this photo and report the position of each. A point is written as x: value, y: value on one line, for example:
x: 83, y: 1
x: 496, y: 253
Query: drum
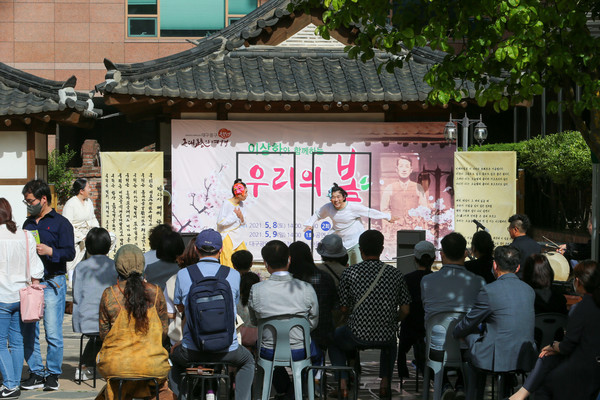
x: 560, y: 266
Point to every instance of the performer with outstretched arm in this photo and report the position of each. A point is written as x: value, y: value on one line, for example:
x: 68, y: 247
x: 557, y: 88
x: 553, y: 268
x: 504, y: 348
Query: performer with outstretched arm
x: 231, y: 222
x: 346, y: 220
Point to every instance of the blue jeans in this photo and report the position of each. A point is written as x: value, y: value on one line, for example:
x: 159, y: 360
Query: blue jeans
x: 54, y: 312
x: 11, y: 355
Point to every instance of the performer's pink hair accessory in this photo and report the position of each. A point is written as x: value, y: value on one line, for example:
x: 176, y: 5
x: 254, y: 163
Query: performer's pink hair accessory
x: 238, y: 188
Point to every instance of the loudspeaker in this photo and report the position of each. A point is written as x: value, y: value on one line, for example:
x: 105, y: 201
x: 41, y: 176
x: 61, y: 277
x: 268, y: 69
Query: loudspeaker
x: 405, y: 244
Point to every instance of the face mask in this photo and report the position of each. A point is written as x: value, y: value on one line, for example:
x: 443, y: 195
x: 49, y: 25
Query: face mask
x: 34, y: 211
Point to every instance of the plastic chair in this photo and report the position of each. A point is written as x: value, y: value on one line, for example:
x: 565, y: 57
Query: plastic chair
x: 123, y: 379
x: 549, y: 324
x: 333, y: 369
x: 437, y: 360
x: 283, y: 354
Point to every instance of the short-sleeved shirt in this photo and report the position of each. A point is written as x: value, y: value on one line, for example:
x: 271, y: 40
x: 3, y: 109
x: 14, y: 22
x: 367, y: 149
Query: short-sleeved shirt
x: 377, y: 317
x: 209, y: 267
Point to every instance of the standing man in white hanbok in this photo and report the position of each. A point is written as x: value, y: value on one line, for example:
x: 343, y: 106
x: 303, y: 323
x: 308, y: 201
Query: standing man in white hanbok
x: 346, y: 220
x: 79, y: 210
x: 231, y: 223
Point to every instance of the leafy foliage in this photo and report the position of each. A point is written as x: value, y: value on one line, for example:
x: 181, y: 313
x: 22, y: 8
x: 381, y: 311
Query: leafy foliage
x: 563, y: 158
x: 518, y: 147
x: 58, y: 173
x: 510, y: 49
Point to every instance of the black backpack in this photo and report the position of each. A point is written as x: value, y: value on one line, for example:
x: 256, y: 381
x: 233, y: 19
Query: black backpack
x: 210, y: 316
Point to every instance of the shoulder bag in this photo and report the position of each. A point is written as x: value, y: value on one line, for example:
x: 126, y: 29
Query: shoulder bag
x: 31, y: 296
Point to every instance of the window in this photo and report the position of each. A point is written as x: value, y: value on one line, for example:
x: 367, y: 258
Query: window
x: 142, y: 26
x: 183, y: 18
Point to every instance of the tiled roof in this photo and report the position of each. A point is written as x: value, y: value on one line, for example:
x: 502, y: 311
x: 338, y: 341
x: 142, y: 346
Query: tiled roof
x: 227, y: 39
x: 22, y: 93
x: 219, y: 68
x: 267, y: 73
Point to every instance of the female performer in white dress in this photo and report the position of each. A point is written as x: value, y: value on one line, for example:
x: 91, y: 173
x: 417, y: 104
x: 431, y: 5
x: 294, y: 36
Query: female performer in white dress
x: 231, y: 222
x: 346, y: 220
x: 79, y: 210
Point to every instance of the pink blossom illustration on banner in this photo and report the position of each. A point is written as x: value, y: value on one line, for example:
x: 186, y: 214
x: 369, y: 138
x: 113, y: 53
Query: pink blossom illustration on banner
x: 205, y: 202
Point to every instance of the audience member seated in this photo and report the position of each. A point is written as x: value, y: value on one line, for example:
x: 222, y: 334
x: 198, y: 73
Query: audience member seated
x: 242, y: 261
x: 373, y: 314
x: 282, y: 295
x: 154, y: 238
x: 335, y: 261
x: 248, y: 333
x: 302, y: 266
x: 538, y: 274
x: 499, y: 328
x: 133, y: 323
x: 482, y: 247
x: 412, y: 329
x: 575, y: 252
x: 170, y: 247
x: 569, y: 369
x: 209, y: 244
x: 90, y: 278
x: 334, y: 256
x: 519, y: 225
x: 189, y: 257
x: 451, y: 289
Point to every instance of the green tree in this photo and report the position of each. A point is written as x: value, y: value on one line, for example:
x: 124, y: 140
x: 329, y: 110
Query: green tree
x: 559, y: 177
x: 563, y: 158
x: 59, y: 174
x: 510, y: 49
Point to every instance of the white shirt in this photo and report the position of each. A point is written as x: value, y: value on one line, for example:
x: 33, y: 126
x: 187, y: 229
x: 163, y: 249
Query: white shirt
x: 13, y: 263
x: 346, y: 222
x: 228, y: 223
x: 81, y: 216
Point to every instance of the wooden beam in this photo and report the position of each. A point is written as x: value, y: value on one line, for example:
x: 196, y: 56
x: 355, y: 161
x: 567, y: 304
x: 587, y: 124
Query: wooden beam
x: 6, y: 182
x: 30, y: 155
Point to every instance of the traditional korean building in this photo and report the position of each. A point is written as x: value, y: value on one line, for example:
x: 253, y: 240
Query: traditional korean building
x: 31, y: 108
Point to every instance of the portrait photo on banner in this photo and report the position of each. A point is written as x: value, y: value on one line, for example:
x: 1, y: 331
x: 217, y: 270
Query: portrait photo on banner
x: 289, y: 167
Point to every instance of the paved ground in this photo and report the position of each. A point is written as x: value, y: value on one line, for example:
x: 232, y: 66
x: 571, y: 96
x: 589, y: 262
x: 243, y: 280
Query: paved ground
x: 70, y: 390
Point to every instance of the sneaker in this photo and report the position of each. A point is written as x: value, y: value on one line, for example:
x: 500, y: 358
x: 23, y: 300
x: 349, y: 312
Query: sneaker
x: 51, y: 383
x: 6, y: 393
x: 86, y: 374
x: 34, y: 381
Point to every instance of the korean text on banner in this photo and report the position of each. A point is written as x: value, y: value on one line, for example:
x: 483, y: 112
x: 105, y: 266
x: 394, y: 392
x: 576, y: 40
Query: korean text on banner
x: 289, y: 167
x: 485, y: 190
x: 132, y: 195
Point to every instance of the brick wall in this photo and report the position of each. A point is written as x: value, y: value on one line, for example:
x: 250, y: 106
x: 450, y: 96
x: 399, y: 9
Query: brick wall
x: 90, y: 170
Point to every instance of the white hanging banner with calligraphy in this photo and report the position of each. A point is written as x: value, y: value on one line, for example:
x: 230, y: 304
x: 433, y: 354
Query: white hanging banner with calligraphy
x: 486, y: 191
x: 132, y: 195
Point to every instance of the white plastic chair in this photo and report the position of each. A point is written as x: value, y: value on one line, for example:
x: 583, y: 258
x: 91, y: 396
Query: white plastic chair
x: 283, y: 354
x: 450, y: 356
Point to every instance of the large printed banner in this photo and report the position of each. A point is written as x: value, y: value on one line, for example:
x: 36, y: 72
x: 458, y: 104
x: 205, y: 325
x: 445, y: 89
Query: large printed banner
x: 275, y: 159
x: 486, y: 189
x: 132, y: 195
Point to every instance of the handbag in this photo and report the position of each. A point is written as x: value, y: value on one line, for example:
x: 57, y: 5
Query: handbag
x: 31, y: 296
